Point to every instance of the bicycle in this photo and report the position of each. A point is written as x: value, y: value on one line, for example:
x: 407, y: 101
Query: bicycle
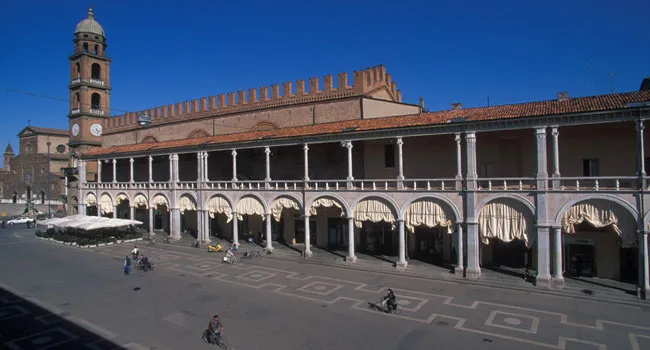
x: 195, y: 244
x: 221, y: 342
x: 252, y: 254
x: 384, y: 307
x: 167, y: 240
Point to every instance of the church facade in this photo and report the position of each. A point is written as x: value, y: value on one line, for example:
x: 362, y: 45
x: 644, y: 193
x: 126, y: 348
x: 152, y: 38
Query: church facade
x: 342, y: 163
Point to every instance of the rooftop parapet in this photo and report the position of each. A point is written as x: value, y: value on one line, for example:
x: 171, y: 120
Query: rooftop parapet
x: 363, y: 82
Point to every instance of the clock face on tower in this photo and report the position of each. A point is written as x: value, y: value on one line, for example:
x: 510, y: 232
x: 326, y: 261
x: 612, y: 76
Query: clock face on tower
x: 96, y: 130
x: 75, y: 129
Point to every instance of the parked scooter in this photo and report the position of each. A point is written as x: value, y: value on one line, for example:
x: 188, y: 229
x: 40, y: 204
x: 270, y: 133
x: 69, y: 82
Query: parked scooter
x: 215, y: 249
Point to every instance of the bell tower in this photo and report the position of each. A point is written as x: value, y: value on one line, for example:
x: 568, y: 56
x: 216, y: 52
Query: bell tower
x: 89, y: 86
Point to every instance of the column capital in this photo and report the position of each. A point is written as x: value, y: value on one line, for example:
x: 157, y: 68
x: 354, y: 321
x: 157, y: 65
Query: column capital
x: 199, y: 154
x: 640, y: 125
x: 267, y: 150
x: 131, y: 160
x: 457, y: 137
x: 150, y: 158
x: 400, y: 141
x: 234, y: 152
x: 470, y: 136
x: 346, y: 144
x: 114, y: 161
x: 541, y: 132
x: 205, y: 154
x: 305, y: 147
x: 399, y: 220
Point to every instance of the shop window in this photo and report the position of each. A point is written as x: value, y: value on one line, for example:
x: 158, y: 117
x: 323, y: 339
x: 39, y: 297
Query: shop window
x: 389, y: 156
x: 590, y: 167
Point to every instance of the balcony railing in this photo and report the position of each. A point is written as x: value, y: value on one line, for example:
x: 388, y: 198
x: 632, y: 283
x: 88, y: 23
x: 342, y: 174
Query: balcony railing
x: 75, y: 111
x: 75, y: 81
x: 97, y: 81
x: 621, y: 183
x: 96, y: 111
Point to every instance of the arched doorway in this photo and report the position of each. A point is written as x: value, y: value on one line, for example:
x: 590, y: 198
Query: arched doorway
x: 140, y: 210
x: 123, y: 208
x: 161, y: 221
x: 220, y: 213
x: 91, y: 205
x: 429, y: 224
x: 250, y: 217
x: 284, y: 211
x: 189, y: 218
x: 375, y: 218
x: 599, y: 240
x: 106, y: 206
x: 328, y: 225
x: 505, y: 233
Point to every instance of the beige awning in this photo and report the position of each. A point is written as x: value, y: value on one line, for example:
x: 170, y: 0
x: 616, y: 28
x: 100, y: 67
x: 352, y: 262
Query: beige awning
x: 426, y: 213
x: 281, y: 204
x: 602, y: 214
x: 373, y: 210
x: 140, y: 201
x: 325, y: 203
x: 249, y: 206
x: 504, y: 222
x: 186, y: 203
x: 219, y: 205
x: 121, y: 197
x: 159, y: 201
x: 105, y: 204
x: 91, y: 199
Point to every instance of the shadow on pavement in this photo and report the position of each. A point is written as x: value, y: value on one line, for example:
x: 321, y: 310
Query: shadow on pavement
x: 25, y: 325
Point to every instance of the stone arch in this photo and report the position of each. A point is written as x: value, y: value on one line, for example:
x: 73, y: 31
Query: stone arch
x: 605, y: 197
x: 264, y: 126
x: 186, y: 201
x: 149, y: 139
x: 255, y: 197
x: 387, y: 201
x: 284, y: 201
x: 214, y: 208
x: 120, y: 197
x: 140, y: 200
x: 159, y: 198
x: 104, y: 201
x: 521, y: 217
x: 626, y: 232
x: 345, y: 209
x: 197, y: 133
x: 436, y: 215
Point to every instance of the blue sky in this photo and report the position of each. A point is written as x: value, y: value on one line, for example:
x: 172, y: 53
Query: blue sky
x: 445, y: 51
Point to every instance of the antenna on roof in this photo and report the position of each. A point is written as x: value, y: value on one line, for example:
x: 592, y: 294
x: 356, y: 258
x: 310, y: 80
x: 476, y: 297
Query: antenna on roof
x: 29, y: 122
x: 611, y: 78
x: 488, y: 101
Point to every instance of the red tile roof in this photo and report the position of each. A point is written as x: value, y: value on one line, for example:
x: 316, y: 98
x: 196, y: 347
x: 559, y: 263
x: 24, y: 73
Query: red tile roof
x: 49, y: 131
x: 530, y: 109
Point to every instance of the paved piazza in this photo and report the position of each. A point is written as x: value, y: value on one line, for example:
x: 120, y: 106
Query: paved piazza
x: 273, y: 304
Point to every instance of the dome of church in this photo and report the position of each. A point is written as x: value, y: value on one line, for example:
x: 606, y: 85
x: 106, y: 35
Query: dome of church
x: 89, y: 25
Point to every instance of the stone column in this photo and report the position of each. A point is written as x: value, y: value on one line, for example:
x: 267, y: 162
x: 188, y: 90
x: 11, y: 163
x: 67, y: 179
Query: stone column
x: 150, y: 210
x: 556, y: 158
x: 114, y: 211
x: 473, y: 269
x: 99, y: 171
x: 150, y: 169
x: 558, y: 278
x: 400, y: 159
x: 234, y: 165
x: 177, y: 223
x: 459, y: 162
x: 171, y: 168
x: 235, y: 234
x: 267, y: 179
x: 308, y: 252
x: 269, y: 235
x: 401, y: 263
x: 81, y: 200
x: 541, y: 207
x: 114, y: 170
x: 131, y: 170
x: 175, y: 167
x: 81, y: 208
x: 131, y: 212
x: 199, y: 168
x: 350, y: 178
x: 351, y: 256
x: 206, y: 178
x: 640, y: 127
x: 645, y: 266
x: 470, y: 149
x: 305, y: 149
x: 460, y: 268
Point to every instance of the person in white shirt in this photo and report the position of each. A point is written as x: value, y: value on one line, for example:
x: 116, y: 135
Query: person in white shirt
x: 135, y: 252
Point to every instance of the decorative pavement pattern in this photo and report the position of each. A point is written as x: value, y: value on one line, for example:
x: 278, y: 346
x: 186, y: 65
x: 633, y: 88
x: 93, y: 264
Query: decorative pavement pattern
x: 526, y: 325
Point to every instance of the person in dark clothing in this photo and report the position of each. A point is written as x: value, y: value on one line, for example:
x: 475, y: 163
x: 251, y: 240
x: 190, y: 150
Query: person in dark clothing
x: 127, y: 265
x: 145, y: 263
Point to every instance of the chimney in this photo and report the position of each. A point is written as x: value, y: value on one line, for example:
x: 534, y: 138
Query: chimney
x: 456, y: 106
x: 645, y: 84
x: 421, y: 102
x: 562, y: 96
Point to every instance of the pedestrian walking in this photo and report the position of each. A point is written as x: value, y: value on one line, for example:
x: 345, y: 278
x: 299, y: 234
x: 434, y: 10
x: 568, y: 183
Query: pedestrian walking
x: 127, y: 265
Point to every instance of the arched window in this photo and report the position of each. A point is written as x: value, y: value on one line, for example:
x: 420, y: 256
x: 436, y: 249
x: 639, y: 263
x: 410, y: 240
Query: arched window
x: 77, y: 100
x: 96, y: 71
x: 96, y: 49
x: 85, y: 47
x: 78, y: 70
x: 95, y: 101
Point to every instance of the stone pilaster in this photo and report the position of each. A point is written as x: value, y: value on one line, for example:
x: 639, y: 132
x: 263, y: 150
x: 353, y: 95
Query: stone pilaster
x: 269, y: 234
x: 351, y: 255
x: 401, y: 263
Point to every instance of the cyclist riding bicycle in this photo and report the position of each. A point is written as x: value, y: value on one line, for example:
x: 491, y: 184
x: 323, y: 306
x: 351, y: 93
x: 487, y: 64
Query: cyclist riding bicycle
x: 389, y: 302
x: 215, y: 328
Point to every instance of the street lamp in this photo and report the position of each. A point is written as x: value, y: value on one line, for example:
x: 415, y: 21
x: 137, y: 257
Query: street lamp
x: 49, y: 186
x: 144, y: 121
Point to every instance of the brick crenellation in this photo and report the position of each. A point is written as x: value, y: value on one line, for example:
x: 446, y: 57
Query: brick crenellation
x: 363, y: 82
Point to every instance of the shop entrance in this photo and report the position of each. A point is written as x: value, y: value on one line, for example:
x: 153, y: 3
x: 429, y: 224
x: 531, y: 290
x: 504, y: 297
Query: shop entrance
x: 430, y: 245
x: 337, y: 233
x: 580, y: 257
